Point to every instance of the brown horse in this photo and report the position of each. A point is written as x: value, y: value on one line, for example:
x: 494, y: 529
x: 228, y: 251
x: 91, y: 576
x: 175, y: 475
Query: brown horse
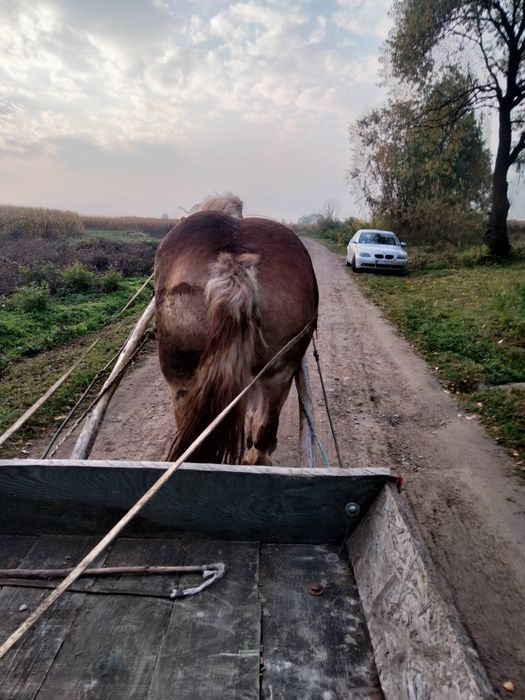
x: 230, y: 293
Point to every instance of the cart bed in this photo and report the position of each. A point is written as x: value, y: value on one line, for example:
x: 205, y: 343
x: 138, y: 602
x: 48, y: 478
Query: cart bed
x: 257, y: 632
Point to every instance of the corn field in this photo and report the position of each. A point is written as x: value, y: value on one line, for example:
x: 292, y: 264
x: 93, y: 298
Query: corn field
x: 129, y: 223
x: 31, y: 222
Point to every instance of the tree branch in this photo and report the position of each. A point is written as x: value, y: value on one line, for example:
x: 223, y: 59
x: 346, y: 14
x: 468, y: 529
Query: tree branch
x: 518, y: 148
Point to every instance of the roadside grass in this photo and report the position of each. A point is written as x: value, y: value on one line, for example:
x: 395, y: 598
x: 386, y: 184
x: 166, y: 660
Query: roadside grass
x: 23, y: 382
x: 122, y: 236
x: 469, y: 323
x: 65, y: 318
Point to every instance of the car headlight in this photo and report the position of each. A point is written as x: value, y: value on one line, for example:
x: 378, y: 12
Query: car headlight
x: 402, y: 257
x: 364, y: 255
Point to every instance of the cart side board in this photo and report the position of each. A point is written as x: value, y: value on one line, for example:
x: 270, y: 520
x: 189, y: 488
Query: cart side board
x: 420, y: 647
x: 219, y: 501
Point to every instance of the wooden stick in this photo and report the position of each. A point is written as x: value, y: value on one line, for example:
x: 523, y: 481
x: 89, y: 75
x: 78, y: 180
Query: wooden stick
x: 92, y: 425
x: 105, y: 571
x: 116, y: 529
x: 306, y: 412
x: 130, y: 302
x: 41, y: 401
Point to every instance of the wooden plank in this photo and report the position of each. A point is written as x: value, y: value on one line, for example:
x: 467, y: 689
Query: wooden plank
x: 313, y: 646
x: 112, y: 650
x: 24, y: 669
x: 227, y: 502
x: 13, y: 549
x: 420, y: 648
x: 212, y: 647
x: 306, y: 416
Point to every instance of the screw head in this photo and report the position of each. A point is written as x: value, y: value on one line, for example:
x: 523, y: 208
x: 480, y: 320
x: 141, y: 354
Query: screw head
x: 352, y: 509
x: 315, y: 589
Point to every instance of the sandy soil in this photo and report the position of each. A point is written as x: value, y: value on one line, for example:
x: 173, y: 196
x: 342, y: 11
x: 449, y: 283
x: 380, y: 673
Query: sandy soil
x: 389, y: 410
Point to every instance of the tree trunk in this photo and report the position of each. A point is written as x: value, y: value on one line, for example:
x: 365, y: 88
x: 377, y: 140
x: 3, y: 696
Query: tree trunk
x: 496, y: 236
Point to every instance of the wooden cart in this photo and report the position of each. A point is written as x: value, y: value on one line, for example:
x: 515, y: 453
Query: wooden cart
x: 327, y: 593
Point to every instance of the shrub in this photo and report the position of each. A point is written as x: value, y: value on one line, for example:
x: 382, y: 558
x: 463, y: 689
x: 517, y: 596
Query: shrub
x: 77, y: 278
x: 34, y: 297
x: 45, y: 273
x: 110, y: 281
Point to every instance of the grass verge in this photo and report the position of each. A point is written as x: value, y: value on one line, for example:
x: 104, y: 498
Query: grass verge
x: 64, y: 318
x: 25, y: 380
x: 469, y: 323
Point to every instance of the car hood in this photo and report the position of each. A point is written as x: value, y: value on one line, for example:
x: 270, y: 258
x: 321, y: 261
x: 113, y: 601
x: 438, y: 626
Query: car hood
x: 383, y: 249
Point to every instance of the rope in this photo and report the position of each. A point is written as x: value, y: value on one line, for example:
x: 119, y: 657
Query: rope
x: 332, y: 428
x: 135, y: 509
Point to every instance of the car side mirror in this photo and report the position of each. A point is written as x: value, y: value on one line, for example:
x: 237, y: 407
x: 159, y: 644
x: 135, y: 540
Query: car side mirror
x: 403, y: 244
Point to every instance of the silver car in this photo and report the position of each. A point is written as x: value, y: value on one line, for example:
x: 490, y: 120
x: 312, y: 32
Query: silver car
x: 372, y: 249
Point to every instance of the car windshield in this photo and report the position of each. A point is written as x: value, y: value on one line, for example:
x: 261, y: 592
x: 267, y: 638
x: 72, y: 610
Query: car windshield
x: 376, y: 238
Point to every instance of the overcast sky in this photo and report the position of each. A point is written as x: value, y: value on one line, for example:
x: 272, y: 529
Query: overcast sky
x: 145, y: 106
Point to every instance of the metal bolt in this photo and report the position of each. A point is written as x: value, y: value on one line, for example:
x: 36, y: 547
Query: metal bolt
x: 315, y: 589
x: 352, y: 509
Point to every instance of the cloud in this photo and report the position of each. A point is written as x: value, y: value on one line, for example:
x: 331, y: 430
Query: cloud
x: 194, y: 77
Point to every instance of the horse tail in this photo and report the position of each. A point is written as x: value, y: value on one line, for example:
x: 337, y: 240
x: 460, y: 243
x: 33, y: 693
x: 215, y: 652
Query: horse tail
x: 225, y: 366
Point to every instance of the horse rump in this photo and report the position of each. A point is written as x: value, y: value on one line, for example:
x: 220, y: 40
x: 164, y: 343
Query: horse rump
x: 225, y: 366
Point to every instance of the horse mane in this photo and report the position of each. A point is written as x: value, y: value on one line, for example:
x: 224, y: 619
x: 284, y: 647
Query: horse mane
x: 227, y: 202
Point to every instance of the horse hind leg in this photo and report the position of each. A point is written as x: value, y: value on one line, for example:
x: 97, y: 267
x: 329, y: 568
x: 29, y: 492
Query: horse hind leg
x: 262, y: 437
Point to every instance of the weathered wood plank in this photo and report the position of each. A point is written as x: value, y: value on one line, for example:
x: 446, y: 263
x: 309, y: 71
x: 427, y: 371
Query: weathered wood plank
x: 112, y: 650
x: 212, y: 647
x: 13, y: 549
x: 24, y: 669
x: 420, y: 647
x: 226, y: 502
x: 313, y: 646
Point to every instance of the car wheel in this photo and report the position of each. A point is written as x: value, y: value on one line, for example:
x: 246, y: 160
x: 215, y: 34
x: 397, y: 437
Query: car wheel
x: 354, y: 266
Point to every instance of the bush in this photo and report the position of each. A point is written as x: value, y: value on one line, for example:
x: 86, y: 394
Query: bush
x: 35, y: 297
x: 110, y: 281
x: 77, y: 278
x: 46, y: 273
x: 435, y: 223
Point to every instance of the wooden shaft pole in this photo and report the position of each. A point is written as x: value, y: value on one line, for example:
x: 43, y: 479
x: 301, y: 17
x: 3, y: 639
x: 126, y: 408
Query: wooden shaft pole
x: 306, y: 413
x: 92, y: 425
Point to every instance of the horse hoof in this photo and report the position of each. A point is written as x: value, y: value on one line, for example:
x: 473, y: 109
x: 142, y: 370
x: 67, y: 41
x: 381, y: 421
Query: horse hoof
x: 257, y: 457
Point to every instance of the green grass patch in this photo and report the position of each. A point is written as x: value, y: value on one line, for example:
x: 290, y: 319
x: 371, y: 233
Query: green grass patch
x: 64, y: 318
x: 123, y: 236
x: 25, y: 381
x: 469, y: 322
x: 503, y: 413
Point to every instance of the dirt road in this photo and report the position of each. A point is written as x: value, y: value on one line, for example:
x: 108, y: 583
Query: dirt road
x: 389, y: 410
